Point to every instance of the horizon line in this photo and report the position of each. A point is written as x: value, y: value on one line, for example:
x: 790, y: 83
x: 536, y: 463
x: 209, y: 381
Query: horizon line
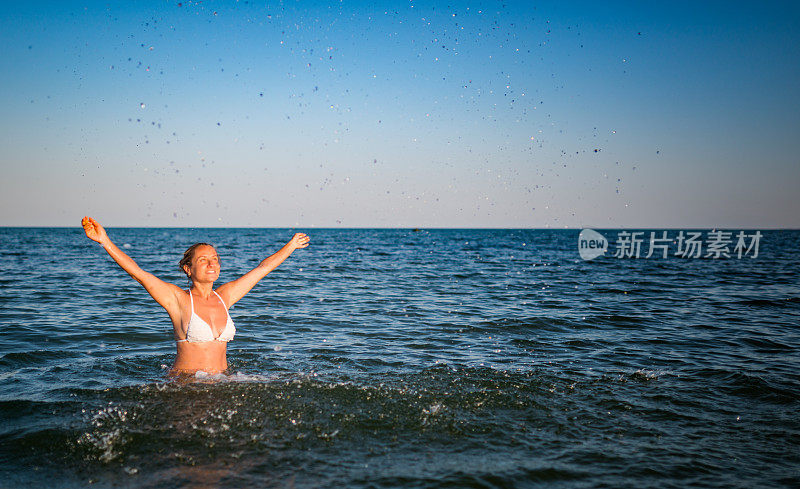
x: 422, y: 228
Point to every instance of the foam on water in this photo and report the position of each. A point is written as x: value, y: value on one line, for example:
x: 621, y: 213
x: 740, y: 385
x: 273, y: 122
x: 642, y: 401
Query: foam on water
x: 233, y: 377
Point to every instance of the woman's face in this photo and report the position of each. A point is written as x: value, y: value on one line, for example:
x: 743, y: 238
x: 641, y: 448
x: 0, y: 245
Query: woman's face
x: 205, y: 265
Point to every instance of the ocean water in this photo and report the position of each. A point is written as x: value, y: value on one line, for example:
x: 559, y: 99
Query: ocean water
x: 395, y: 358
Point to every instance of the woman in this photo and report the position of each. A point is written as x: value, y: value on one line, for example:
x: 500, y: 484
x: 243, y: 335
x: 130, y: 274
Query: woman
x: 199, y: 316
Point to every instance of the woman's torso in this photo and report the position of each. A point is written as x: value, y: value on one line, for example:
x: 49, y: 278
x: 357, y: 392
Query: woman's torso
x: 203, y: 319
x: 208, y: 356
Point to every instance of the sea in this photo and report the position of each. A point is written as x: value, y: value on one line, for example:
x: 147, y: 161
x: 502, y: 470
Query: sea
x: 406, y: 358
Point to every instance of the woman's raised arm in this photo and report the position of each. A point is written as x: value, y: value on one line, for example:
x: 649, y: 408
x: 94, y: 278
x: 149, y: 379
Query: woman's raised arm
x: 231, y: 292
x: 164, y: 293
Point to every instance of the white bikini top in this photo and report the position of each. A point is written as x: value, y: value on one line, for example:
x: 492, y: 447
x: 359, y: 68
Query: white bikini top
x: 198, y: 330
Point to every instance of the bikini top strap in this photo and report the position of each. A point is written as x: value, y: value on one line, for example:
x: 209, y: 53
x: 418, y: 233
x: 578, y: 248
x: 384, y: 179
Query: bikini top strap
x: 191, y: 309
x: 220, y: 299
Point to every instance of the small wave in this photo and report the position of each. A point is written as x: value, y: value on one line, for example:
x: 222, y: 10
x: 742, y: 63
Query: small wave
x: 766, y: 345
x: 749, y: 385
x: 787, y: 302
x: 33, y: 358
x: 535, y: 323
x: 614, y: 320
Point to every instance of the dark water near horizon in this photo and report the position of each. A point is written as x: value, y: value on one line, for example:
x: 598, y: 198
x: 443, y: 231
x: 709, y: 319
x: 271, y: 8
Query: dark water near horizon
x: 392, y: 358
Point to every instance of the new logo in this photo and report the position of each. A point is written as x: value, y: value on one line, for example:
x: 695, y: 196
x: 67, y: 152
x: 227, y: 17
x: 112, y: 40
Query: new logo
x: 591, y: 244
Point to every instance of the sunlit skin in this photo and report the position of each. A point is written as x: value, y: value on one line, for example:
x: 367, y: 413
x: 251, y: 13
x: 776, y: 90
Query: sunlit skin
x: 208, y: 356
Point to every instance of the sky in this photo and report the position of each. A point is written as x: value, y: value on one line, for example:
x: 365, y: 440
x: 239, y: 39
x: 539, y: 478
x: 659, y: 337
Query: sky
x: 401, y: 114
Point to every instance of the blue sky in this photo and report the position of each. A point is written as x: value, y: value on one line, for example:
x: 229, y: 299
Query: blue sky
x: 403, y: 114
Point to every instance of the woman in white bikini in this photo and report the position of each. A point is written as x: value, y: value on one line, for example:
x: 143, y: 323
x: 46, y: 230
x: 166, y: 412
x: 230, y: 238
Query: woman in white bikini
x: 199, y: 316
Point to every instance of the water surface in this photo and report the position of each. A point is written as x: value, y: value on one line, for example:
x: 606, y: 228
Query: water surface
x: 394, y: 358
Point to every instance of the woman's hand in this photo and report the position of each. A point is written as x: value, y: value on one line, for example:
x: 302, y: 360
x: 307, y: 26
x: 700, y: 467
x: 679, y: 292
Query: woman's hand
x: 299, y: 240
x: 164, y: 293
x: 94, y: 230
x: 236, y: 289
